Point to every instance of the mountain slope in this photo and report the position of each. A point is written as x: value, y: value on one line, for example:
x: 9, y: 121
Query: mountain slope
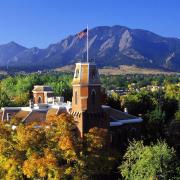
x: 109, y: 46
x: 8, y: 52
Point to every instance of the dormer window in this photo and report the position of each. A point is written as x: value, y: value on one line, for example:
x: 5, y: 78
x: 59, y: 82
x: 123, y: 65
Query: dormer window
x: 76, y: 73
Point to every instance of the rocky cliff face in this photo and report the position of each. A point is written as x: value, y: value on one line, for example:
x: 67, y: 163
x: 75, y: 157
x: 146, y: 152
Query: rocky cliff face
x: 109, y: 46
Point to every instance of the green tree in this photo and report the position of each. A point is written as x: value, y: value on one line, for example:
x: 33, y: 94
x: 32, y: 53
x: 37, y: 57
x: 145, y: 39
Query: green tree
x: 156, y: 116
x: 113, y: 100
x: 4, y: 99
x: 157, y: 161
x: 177, y: 115
x: 138, y: 102
x: 172, y: 91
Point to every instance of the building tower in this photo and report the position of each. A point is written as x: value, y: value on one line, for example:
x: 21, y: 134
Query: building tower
x: 41, y: 94
x: 86, y: 100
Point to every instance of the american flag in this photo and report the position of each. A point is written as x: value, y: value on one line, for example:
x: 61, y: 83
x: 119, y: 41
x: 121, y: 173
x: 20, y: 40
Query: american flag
x: 82, y: 33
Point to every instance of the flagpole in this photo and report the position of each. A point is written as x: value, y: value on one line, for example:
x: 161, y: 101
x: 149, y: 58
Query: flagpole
x: 87, y: 44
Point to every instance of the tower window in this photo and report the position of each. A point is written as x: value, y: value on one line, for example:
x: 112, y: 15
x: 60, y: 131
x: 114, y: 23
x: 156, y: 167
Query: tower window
x: 93, y: 97
x: 39, y: 99
x: 76, y: 73
x: 93, y: 74
x: 76, y: 98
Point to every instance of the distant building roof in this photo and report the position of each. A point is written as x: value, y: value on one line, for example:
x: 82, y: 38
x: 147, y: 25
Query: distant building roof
x: 32, y: 114
x: 43, y: 111
x: 36, y: 116
x: 119, y: 118
x: 117, y: 115
x: 42, y: 88
x: 8, y: 112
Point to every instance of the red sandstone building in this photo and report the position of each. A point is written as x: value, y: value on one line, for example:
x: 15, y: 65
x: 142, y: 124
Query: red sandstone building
x: 86, y: 107
x: 86, y: 101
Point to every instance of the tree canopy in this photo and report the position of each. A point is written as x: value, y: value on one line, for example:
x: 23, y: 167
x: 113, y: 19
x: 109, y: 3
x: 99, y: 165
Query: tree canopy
x: 156, y: 161
x: 53, y: 150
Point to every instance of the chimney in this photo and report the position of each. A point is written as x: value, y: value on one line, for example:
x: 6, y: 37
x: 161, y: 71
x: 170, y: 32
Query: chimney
x: 8, y: 117
x: 31, y: 104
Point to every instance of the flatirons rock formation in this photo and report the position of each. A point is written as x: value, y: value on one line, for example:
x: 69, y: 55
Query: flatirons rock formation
x: 109, y: 46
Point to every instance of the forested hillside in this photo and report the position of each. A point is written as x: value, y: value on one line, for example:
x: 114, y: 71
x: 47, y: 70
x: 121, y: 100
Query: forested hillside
x: 54, y: 149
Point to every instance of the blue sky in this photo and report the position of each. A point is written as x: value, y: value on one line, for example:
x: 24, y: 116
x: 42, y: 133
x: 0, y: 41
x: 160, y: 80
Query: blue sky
x: 41, y: 22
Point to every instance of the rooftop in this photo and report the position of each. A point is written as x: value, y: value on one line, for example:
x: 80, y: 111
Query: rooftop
x: 41, y: 113
x: 43, y: 88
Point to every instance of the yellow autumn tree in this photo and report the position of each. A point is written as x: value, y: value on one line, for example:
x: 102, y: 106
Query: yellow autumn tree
x: 53, y: 150
x: 42, y: 166
x: 10, y: 158
x: 64, y: 138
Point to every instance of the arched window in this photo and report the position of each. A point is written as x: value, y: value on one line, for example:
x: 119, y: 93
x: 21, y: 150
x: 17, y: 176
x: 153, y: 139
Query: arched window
x: 93, y: 74
x: 76, y: 98
x: 93, y: 97
x: 76, y: 73
x: 39, y: 99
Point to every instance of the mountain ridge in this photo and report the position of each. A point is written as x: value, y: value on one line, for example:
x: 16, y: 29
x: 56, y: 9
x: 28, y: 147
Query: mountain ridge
x: 108, y: 45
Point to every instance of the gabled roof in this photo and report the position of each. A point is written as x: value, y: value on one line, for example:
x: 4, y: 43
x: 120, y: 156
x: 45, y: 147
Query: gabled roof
x: 21, y: 114
x: 28, y: 115
x: 35, y: 116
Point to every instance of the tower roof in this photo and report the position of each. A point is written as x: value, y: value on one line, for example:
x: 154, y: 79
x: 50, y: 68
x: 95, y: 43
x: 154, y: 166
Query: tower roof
x: 86, y: 73
x: 39, y: 88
